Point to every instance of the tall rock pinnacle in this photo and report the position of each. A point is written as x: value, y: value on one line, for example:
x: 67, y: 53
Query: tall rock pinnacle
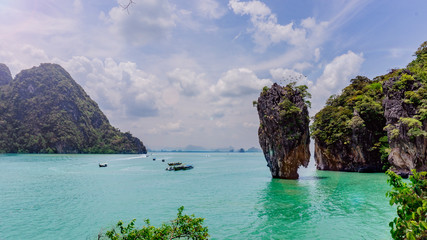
x: 284, y: 129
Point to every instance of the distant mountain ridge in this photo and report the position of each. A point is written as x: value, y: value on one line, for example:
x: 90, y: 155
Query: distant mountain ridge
x: 43, y: 110
x: 194, y: 148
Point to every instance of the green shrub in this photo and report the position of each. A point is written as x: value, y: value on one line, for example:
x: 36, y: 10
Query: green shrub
x: 265, y: 89
x: 414, y: 127
x: 411, y: 201
x: 254, y: 103
x: 183, y: 227
x: 403, y: 82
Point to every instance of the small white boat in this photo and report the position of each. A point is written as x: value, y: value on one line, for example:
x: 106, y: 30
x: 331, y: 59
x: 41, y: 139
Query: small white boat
x: 103, y: 165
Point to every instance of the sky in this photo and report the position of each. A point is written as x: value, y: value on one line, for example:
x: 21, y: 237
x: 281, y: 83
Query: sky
x: 185, y: 72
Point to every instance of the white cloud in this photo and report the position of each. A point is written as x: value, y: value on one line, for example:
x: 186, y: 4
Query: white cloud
x: 256, y: 9
x: 286, y: 76
x: 149, y: 21
x: 309, y: 23
x: 336, y: 75
x: 23, y: 23
x: 217, y: 114
x: 250, y: 125
x: 267, y: 31
x: 239, y: 82
x: 167, y: 128
x: 301, y: 66
x: 78, y: 6
x: 188, y: 82
x: 118, y: 87
x: 19, y: 57
x: 316, y: 54
x: 210, y: 9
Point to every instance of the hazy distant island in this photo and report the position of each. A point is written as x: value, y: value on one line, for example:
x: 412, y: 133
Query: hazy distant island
x: 43, y: 110
x: 194, y: 148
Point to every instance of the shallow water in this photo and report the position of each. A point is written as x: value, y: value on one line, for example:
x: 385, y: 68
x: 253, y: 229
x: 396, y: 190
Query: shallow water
x: 70, y: 197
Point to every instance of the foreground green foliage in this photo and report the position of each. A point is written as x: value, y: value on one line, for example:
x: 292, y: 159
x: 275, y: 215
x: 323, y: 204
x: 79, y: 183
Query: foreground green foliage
x: 411, y: 201
x: 183, y: 227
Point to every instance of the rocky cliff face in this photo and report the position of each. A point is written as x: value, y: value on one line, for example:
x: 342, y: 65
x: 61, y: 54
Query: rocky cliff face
x: 356, y: 155
x: 45, y: 110
x: 405, y: 108
x: 348, y: 132
x: 284, y: 129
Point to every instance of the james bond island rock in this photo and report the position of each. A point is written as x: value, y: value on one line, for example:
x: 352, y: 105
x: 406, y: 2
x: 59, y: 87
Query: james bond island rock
x: 348, y: 131
x: 284, y: 129
x: 405, y: 107
x: 43, y: 110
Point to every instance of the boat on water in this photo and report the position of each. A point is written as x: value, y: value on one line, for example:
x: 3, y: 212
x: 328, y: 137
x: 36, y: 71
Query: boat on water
x: 174, y: 163
x: 102, y: 164
x: 179, y: 167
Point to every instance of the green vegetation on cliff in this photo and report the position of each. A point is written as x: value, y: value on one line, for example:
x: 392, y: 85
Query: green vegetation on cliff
x: 410, y: 85
x: 43, y: 110
x: 354, y: 118
x: 359, y: 105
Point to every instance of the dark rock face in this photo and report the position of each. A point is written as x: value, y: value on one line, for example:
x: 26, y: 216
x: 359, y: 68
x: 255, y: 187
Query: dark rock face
x: 348, y: 131
x: 45, y: 110
x: 407, y: 151
x: 284, y: 130
x: 355, y: 156
x: 5, y: 76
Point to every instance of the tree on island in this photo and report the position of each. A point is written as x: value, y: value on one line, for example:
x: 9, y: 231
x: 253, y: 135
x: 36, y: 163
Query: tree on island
x: 411, y: 201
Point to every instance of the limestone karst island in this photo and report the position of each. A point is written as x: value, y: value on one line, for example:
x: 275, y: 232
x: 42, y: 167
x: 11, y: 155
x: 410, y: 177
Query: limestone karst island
x: 372, y: 126
x: 43, y: 110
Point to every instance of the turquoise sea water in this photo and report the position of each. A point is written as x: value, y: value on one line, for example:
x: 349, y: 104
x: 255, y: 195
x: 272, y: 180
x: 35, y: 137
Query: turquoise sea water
x: 70, y: 197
